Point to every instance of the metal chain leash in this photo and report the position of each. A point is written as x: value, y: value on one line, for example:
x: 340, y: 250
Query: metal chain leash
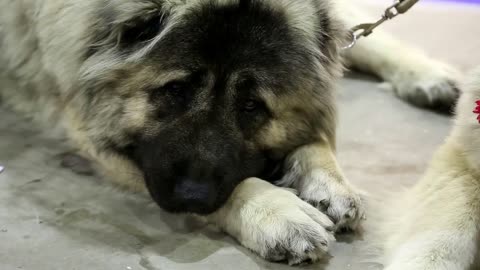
x: 365, y: 29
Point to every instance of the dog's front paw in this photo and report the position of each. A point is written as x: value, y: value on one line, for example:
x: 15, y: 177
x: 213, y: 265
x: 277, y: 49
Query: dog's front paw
x: 431, y: 85
x: 279, y: 226
x: 274, y: 223
x: 334, y: 196
x: 286, y: 228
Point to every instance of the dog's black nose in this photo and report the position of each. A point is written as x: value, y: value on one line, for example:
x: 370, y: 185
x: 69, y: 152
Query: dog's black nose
x: 194, y: 195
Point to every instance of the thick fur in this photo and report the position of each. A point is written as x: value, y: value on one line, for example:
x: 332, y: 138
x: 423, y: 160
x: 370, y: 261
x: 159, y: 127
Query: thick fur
x: 436, y: 224
x: 88, y: 66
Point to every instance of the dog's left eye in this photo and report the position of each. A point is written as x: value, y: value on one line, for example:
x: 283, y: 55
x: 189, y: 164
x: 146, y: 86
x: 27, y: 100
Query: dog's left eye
x: 251, y: 106
x: 252, y: 113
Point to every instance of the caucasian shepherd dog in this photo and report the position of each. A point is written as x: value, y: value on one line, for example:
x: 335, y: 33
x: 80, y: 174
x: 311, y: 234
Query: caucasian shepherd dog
x: 214, y: 107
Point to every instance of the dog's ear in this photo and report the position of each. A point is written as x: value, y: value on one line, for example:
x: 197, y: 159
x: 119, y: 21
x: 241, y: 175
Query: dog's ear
x: 126, y: 24
x: 142, y: 27
x: 332, y: 35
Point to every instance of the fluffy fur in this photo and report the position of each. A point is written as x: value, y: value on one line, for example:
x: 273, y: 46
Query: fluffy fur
x: 436, y: 224
x: 112, y: 73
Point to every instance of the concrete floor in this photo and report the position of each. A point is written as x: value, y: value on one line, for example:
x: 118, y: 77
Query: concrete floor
x: 51, y: 218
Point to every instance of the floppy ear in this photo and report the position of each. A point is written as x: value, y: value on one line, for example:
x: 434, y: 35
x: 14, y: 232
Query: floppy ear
x: 125, y: 24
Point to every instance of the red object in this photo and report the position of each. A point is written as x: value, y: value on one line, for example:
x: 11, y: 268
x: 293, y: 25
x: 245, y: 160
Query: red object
x: 477, y: 110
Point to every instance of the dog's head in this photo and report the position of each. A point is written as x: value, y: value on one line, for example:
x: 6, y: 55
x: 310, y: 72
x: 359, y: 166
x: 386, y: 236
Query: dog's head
x: 204, y: 94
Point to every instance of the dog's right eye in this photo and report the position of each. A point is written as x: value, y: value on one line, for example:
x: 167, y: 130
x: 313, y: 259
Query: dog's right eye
x: 171, y: 98
x: 178, y: 92
x: 174, y: 87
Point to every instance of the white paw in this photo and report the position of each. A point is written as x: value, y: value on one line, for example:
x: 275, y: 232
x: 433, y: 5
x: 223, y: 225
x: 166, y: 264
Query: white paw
x: 332, y: 195
x: 281, y: 227
x: 431, y: 85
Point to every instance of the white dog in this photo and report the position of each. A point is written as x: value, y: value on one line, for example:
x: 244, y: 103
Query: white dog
x: 436, y: 224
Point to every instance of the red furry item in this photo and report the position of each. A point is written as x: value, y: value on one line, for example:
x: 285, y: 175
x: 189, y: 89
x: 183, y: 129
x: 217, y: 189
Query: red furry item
x: 477, y: 110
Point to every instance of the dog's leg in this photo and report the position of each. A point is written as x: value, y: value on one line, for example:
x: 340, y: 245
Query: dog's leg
x: 437, y: 227
x: 314, y: 172
x: 275, y: 223
x: 414, y: 76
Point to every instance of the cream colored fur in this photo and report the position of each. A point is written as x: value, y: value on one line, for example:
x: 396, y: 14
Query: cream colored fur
x: 315, y: 173
x: 435, y: 226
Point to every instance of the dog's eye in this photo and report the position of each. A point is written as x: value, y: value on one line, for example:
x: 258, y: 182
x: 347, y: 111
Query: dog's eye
x: 172, y: 92
x: 177, y: 91
x: 251, y: 106
x: 174, y: 87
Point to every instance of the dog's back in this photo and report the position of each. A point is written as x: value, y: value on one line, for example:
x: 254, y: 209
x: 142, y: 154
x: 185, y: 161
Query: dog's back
x: 39, y: 42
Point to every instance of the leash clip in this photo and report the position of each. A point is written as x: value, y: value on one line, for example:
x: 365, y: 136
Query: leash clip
x: 365, y: 29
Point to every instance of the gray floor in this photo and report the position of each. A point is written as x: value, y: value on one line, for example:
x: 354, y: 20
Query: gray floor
x: 51, y: 218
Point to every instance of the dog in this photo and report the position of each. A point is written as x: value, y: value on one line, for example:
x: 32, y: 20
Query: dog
x: 436, y: 223
x: 219, y: 108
